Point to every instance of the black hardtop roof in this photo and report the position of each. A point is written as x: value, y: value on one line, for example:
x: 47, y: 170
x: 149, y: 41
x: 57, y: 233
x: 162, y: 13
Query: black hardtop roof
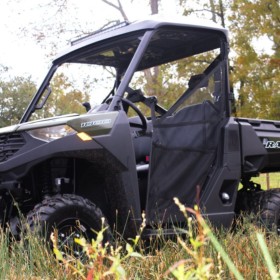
x: 151, y: 23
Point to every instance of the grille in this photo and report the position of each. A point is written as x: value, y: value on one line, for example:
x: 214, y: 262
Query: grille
x: 9, y: 145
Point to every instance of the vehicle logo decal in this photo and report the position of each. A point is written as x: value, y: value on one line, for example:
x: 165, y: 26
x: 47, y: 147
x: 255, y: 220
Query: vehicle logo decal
x: 268, y: 144
x: 95, y: 123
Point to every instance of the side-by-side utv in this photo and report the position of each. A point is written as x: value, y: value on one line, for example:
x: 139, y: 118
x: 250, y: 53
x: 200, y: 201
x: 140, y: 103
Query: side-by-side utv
x: 157, y: 125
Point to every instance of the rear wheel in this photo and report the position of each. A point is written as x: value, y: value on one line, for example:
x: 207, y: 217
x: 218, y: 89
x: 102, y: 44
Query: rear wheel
x: 269, y: 209
x: 71, y: 216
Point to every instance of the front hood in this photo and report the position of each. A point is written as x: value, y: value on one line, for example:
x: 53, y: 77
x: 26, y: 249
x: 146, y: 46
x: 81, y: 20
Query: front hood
x: 92, y: 124
x: 9, y: 129
x: 38, y: 124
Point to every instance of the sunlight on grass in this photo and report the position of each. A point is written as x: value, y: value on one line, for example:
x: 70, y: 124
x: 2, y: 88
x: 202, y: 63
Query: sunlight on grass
x: 201, y: 252
x: 268, y: 180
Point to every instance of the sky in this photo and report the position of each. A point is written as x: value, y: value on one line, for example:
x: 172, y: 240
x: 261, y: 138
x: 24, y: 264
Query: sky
x: 24, y: 56
x: 20, y: 52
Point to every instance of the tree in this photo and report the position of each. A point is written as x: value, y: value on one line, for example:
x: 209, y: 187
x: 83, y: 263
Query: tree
x: 67, y: 99
x: 64, y: 99
x: 3, y: 69
x: 153, y: 4
x: 117, y: 6
x: 15, y: 95
x: 153, y: 79
x: 256, y: 73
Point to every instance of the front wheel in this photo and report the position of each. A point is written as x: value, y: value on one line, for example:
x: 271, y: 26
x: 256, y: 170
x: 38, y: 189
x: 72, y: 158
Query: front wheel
x: 71, y: 216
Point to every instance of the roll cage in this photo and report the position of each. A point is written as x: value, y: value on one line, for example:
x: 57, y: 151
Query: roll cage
x: 137, y: 51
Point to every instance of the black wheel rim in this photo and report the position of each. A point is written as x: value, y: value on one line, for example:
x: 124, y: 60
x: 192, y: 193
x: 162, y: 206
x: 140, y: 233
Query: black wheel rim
x: 66, y: 233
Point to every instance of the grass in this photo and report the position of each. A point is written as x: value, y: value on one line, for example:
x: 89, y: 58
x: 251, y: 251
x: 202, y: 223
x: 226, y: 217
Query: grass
x: 268, y: 180
x: 27, y: 260
x: 204, y: 253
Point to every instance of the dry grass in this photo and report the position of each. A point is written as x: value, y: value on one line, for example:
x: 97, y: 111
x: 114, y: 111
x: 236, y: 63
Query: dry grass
x: 194, y: 257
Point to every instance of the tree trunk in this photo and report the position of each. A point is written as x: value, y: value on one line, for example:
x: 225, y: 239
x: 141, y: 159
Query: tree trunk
x: 154, y: 6
x: 213, y: 10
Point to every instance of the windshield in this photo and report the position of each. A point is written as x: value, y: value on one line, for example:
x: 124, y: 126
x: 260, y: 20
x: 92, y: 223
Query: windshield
x: 74, y: 87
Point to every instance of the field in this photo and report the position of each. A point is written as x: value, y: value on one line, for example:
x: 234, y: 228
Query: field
x: 245, y: 252
x: 270, y: 180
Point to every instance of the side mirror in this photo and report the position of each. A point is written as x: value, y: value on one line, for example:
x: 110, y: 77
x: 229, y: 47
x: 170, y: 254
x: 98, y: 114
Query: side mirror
x: 87, y: 106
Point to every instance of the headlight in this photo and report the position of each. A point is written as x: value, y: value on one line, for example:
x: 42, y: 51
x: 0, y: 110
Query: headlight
x: 51, y: 133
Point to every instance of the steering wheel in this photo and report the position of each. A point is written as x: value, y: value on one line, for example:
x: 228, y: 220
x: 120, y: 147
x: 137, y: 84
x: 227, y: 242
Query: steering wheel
x: 143, y: 124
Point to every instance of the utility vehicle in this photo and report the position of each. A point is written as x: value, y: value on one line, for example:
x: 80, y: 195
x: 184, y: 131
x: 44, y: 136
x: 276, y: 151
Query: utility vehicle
x: 162, y: 129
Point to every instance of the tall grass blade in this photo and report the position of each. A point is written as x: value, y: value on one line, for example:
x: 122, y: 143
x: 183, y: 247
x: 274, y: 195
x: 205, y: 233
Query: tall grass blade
x: 221, y: 250
x: 271, y: 267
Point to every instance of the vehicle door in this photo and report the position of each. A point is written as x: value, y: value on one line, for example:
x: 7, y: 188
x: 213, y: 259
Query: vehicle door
x: 185, y: 143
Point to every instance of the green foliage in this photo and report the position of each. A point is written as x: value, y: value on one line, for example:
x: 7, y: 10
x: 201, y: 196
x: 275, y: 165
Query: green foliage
x: 203, y: 253
x: 64, y: 98
x: 15, y: 95
x: 270, y: 265
x: 102, y: 260
x: 268, y: 180
x: 27, y: 259
x: 3, y: 69
x: 256, y: 74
